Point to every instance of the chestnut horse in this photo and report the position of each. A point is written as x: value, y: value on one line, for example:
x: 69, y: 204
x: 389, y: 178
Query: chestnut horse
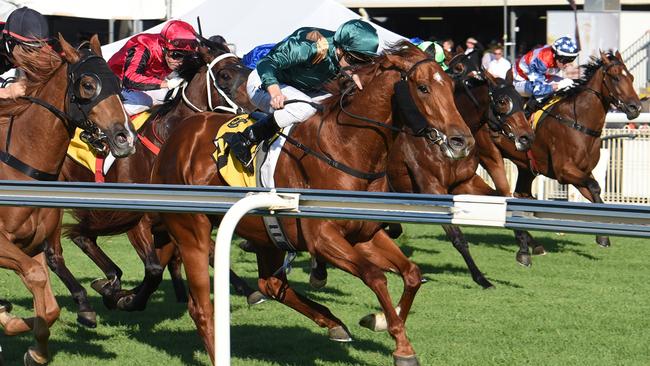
x: 418, y: 168
x: 65, y: 91
x: 341, y: 134
x: 567, y: 142
x: 225, y: 78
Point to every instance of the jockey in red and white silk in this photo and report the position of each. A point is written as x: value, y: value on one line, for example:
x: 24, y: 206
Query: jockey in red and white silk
x: 538, y: 70
x: 146, y: 60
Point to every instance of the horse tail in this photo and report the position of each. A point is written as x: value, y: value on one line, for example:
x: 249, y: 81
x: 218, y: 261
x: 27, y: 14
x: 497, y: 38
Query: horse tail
x: 100, y: 223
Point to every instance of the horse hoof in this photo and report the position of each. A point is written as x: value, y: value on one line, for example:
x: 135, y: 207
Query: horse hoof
x: 247, y: 246
x: 524, y: 259
x: 375, y: 322
x: 87, y: 319
x: 125, y: 303
x: 406, y: 360
x: 316, y: 282
x: 603, y: 241
x: 103, y: 286
x: 255, y: 298
x: 30, y: 360
x: 483, y: 282
x: 5, y: 306
x: 339, y: 334
x: 539, y: 250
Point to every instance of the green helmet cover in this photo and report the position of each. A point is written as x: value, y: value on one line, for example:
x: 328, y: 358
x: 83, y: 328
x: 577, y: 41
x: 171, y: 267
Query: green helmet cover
x: 434, y: 49
x: 357, y: 36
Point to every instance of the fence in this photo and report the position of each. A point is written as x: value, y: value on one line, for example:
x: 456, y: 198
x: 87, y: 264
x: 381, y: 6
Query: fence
x: 636, y: 58
x: 623, y: 172
x: 378, y: 206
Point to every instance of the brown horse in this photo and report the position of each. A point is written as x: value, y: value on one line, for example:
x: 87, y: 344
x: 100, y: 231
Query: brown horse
x: 482, y: 102
x: 226, y: 78
x: 359, y: 143
x: 74, y: 89
x: 567, y: 142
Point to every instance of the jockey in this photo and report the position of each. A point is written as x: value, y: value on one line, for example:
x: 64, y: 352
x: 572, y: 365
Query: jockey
x: 536, y: 73
x: 25, y: 27
x: 434, y: 49
x: 146, y: 60
x: 297, y: 68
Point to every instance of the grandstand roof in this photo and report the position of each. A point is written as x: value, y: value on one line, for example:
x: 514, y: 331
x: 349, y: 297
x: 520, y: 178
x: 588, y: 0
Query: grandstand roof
x: 460, y: 3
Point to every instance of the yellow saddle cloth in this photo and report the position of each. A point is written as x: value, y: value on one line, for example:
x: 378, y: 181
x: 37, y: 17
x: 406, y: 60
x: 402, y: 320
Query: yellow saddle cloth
x: 81, y: 153
x: 229, y: 167
x: 537, y: 116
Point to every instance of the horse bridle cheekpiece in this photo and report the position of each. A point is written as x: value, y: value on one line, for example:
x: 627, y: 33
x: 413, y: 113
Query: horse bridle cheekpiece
x: 504, y: 101
x: 410, y: 112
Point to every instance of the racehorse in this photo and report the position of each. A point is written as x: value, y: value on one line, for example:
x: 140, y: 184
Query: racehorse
x: 354, y: 132
x: 215, y: 71
x: 486, y: 101
x: 65, y: 91
x: 567, y: 142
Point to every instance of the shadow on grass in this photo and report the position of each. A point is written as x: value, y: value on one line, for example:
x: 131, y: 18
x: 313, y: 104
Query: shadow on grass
x: 288, y: 345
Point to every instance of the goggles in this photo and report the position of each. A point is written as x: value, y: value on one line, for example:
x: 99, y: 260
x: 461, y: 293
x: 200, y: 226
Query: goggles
x: 565, y: 59
x: 355, y: 58
x: 177, y: 55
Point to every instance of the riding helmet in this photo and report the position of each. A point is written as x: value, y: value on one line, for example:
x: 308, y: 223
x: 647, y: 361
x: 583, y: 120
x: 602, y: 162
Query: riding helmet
x: 565, y: 46
x: 27, y: 26
x: 357, y: 36
x: 179, y: 36
x: 434, y: 49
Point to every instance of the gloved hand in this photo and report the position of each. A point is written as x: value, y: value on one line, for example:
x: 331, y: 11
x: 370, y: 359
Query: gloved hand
x: 174, y: 83
x: 565, y: 83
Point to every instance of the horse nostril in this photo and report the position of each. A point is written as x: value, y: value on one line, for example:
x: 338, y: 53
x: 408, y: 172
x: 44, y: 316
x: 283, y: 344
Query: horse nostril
x: 457, y: 142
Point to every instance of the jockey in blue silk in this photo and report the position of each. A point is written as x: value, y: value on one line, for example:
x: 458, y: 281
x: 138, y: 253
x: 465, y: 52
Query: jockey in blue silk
x: 297, y: 68
x: 536, y: 74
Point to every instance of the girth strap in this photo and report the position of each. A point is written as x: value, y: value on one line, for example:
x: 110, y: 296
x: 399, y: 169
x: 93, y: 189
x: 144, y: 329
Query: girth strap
x: 17, y: 164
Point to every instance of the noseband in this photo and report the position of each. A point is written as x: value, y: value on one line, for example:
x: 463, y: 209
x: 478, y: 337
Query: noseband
x: 210, y: 79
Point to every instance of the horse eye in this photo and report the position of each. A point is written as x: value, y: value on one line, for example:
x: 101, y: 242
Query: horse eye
x: 88, y: 86
x: 423, y: 88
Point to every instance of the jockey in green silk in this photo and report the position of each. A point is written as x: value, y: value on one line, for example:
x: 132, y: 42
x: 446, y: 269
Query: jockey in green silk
x: 298, y: 68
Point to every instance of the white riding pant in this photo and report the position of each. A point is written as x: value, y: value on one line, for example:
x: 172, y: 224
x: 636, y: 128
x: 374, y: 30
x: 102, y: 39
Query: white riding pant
x: 137, y: 101
x: 291, y: 113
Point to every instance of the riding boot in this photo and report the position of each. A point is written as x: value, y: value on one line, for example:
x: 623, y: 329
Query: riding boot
x: 240, y: 143
x: 531, y: 106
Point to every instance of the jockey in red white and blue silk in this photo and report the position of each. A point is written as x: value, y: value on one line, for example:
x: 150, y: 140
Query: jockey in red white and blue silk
x: 537, y: 72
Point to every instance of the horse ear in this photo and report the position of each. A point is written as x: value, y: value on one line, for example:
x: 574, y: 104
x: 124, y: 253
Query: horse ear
x: 603, y: 57
x: 459, y: 50
x: 509, y: 77
x: 396, y: 61
x: 95, y: 45
x: 204, y: 52
x: 490, y: 78
x: 618, y: 55
x: 70, y: 54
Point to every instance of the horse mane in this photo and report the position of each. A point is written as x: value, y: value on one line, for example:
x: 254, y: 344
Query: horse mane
x: 366, y: 73
x: 589, y: 70
x: 39, y: 65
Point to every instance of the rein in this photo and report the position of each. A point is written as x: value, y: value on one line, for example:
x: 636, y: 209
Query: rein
x: 210, y: 79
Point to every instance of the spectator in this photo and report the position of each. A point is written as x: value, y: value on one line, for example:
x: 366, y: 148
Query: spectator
x: 630, y: 126
x: 644, y: 127
x: 499, y: 66
x: 470, y: 44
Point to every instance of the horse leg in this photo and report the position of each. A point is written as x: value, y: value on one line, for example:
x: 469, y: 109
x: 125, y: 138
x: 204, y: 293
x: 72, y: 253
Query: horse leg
x: 523, y: 190
x: 169, y: 256
x: 86, y: 316
x: 192, y: 233
x: 318, y: 272
x: 253, y: 297
x: 592, y: 192
x: 333, y: 247
x: 385, y: 254
x: 274, y: 285
x: 455, y: 235
x: 492, y: 161
x: 34, y: 274
x: 141, y: 239
x: 109, y: 286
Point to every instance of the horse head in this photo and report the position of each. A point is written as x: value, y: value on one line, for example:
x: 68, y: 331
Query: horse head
x: 506, y: 113
x: 227, y: 78
x: 618, y: 85
x: 93, y: 98
x: 465, y: 67
x: 424, y: 98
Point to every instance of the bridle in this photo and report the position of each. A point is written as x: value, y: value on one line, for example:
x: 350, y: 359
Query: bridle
x: 211, y: 81
x: 498, y: 121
